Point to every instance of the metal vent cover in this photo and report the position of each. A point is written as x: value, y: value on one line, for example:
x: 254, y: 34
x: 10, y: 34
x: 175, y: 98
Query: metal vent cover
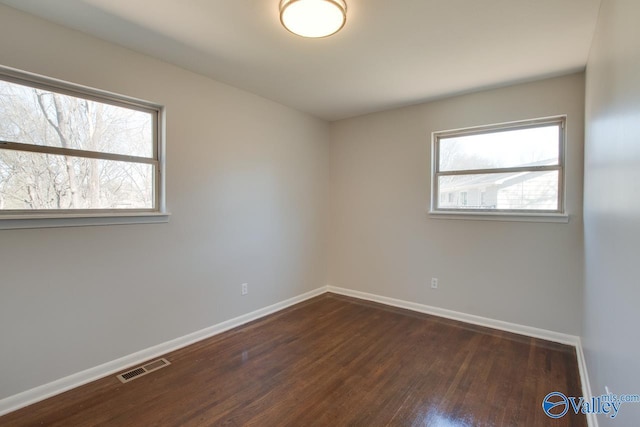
x: 139, y: 371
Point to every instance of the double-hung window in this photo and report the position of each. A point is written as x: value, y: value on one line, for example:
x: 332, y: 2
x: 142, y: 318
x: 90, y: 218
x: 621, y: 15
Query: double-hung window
x: 507, y: 169
x: 67, y: 150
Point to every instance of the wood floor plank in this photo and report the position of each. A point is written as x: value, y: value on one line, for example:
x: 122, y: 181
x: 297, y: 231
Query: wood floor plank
x: 334, y: 361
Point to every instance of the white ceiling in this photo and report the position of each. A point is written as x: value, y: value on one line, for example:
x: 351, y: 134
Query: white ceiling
x: 390, y: 53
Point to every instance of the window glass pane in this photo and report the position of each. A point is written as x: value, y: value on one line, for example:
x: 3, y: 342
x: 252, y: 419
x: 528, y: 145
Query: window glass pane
x: 504, y: 149
x: 521, y: 190
x: 42, y: 117
x: 32, y: 181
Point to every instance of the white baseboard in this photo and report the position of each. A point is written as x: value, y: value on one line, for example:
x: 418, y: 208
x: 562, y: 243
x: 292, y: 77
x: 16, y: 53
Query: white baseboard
x: 544, y: 334
x: 463, y: 317
x: 61, y: 385
x: 592, y: 419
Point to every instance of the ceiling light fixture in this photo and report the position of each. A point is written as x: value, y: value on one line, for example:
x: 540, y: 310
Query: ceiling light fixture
x: 313, y: 18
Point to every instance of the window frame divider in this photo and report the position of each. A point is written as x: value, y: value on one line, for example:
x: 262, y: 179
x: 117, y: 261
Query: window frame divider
x: 500, y: 170
x: 61, y: 151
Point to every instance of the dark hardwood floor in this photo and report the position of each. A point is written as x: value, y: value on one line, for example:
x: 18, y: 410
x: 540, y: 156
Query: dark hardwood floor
x: 334, y: 361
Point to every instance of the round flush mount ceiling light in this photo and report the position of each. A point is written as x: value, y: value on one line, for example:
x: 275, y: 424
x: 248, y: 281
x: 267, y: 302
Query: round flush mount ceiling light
x: 313, y: 18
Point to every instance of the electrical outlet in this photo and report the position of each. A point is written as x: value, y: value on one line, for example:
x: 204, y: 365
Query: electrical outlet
x: 434, y: 283
x: 244, y: 288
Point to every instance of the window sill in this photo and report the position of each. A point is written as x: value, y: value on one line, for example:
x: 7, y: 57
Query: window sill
x: 498, y: 216
x: 13, y: 222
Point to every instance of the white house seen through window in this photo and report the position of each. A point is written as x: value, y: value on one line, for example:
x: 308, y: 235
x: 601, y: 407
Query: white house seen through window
x: 515, y: 167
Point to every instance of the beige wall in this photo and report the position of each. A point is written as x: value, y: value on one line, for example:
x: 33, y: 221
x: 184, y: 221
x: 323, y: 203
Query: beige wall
x: 383, y: 242
x: 246, y: 183
x: 612, y: 207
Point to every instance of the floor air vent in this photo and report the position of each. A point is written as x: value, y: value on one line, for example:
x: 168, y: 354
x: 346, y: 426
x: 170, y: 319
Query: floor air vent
x: 143, y: 370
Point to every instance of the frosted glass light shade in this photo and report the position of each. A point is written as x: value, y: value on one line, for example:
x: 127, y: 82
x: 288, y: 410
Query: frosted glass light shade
x: 313, y: 18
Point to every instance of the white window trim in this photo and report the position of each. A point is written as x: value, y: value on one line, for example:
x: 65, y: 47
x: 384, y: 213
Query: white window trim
x: 499, y: 216
x: 16, y: 222
x: 560, y: 216
x: 77, y: 218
